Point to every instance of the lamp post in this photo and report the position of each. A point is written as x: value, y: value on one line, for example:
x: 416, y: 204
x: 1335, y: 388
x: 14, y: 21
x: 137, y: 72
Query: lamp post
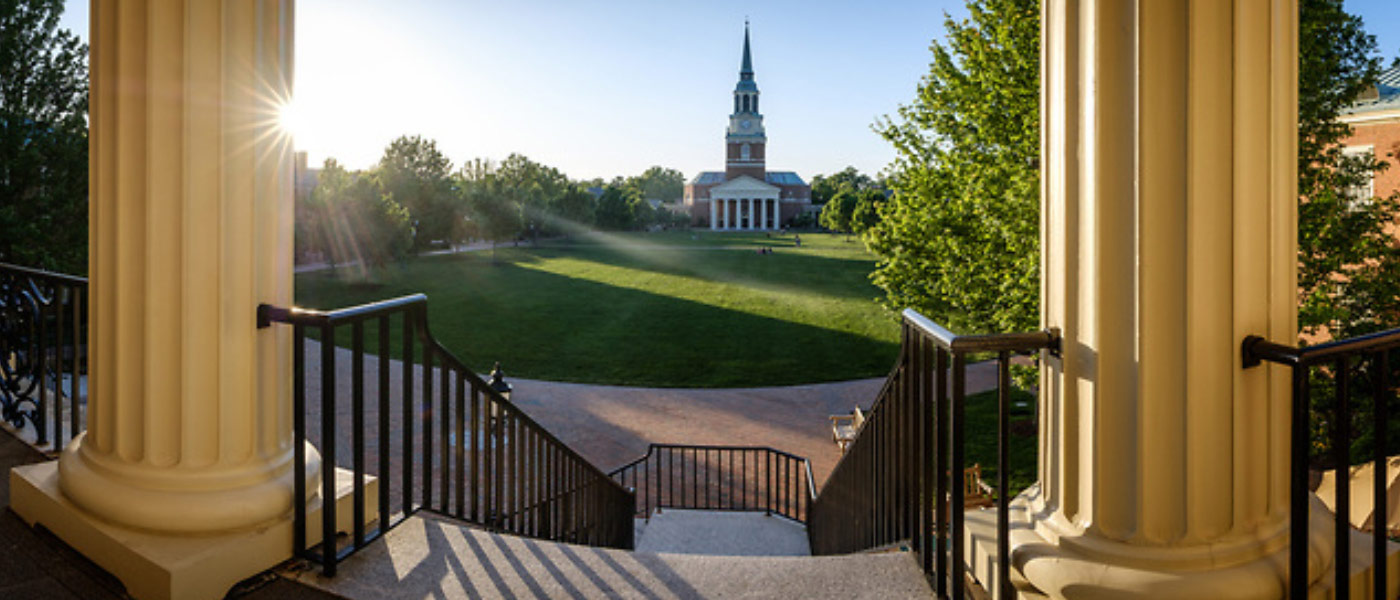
x: 498, y: 381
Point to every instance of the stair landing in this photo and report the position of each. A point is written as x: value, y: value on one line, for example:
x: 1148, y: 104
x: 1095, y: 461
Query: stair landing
x: 678, y: 531
x: 429, y: 558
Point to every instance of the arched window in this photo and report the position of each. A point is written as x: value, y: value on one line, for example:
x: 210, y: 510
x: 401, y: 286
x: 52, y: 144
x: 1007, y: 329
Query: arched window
x: 755, y: 103
x: 744, y: 152
x: 746, y: 103
x: 736, y: 103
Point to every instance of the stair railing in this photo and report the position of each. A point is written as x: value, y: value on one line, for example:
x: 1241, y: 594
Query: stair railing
x: 43, y: 353
x: 727, y: 478
x: 442, y: 439
x: 901, y: 478
x: 1361, y: 392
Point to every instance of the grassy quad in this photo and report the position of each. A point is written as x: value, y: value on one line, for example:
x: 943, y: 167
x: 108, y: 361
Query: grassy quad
x: 673, y: 309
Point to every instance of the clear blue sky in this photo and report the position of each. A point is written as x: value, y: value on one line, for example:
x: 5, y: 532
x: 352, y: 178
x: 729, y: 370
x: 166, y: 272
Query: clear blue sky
x: 605, y: 88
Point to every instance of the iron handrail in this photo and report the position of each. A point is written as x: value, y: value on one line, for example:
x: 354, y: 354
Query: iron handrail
x: 43, y: 341
x: 894, y: 481
x: 767, y: 486
x: 523, y: 479
x: 1336, y: 357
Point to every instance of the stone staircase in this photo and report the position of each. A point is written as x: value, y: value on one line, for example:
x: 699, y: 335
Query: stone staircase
x: 680, y: 554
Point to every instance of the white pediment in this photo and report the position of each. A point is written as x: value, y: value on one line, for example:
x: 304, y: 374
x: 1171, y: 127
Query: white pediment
x: 744, y: 186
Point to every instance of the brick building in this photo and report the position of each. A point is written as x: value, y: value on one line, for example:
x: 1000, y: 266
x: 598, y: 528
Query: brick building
x: 1375, y: 122
x: 746, y: 195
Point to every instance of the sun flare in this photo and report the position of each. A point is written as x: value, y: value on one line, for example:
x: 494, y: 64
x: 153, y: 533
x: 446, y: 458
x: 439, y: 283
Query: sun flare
x: 291, y: 120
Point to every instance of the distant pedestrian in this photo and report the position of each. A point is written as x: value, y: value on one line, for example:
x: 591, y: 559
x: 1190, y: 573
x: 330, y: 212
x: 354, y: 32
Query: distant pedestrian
x: 797, y: 240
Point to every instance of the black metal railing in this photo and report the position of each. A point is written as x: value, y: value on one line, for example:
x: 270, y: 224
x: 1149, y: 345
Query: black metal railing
x: 901, y: 480
x: 1360, y: 395
x: 442, y: 439
x: 731, y: 478
x: 43, y: 353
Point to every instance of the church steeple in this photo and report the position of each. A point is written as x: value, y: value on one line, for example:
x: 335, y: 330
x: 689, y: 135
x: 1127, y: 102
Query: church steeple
x: 746, y: 69
x: 745, y: 140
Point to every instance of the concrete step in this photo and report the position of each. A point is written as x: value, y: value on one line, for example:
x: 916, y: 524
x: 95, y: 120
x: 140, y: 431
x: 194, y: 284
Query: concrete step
x: 723, y: 533
x: 430, y: 558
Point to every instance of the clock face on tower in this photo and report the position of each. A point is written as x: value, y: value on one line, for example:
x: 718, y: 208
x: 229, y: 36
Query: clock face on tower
x: 746, y: 123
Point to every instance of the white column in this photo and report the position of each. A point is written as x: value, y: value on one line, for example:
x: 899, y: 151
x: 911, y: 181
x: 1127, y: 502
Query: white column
x: 189, y: 417
x: 1168, y: 234
x: 763, y: 210
x: 714, y: 213
x: 724, y: 213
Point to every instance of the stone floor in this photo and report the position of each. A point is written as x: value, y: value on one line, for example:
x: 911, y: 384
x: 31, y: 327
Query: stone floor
x: 36, y: 565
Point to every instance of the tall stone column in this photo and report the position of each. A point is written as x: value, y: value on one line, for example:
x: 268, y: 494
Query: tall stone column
x: 714, y: 213
x: 189, y: 420
x: 182, y: 483
x: 1168, y: 234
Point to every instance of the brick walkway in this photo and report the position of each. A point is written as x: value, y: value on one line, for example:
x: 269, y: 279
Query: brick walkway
x: 611, y: 425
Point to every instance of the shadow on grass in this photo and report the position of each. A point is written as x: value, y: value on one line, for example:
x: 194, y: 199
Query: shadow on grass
x: 542, y: 325
x: 791, y: 270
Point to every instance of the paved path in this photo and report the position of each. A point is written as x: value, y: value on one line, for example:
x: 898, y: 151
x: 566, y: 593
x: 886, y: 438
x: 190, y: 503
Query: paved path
x: 612, y: 425
x: 322, y: 266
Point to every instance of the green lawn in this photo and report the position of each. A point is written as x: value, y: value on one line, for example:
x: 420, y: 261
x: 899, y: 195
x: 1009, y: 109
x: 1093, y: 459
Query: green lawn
x: 669, y: 309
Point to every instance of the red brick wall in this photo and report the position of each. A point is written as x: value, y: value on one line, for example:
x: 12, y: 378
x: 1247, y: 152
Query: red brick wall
x: 1385, y: 139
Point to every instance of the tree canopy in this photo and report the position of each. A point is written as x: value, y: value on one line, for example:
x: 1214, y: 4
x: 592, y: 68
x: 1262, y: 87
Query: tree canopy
x: 416, y: 174
x: 43, y: 139
x: 959, y: 240
x: 1348, y: 260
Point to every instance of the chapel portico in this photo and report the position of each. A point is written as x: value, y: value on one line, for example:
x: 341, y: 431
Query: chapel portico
x: 744, y: 204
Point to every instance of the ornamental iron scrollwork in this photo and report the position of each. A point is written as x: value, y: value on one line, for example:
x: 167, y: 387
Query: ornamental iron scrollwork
x: 42, y: 342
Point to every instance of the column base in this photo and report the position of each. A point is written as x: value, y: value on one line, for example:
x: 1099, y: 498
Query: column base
x: 1043, y: 569
x: 156, y: 566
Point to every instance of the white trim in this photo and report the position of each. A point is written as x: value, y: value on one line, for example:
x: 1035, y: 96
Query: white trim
x: 1370, y: 118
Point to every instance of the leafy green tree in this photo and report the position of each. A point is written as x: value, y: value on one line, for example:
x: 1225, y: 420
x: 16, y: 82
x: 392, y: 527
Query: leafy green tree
x: 959, y: 240
x: 360, y: 223
x: 838, y: 212
x: 43, y: 139
x: 866, y: 213
x: 1348, y: 260
x: 618, y: 208
x: 573, y: 209
x: 417, y: 175
x: 659, y: 183
x: 494, y: 214
x: 533, y: 188
x: 825, y: 187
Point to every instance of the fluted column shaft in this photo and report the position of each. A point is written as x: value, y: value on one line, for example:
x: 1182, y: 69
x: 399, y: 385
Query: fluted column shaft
x: 1168, y: 235
x: 191, y: 228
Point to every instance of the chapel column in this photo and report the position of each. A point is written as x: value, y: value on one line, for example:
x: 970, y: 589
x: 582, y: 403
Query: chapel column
x: 763, y: 210
x: 1169, y: 186
x: 714, y: 213
x: 189, y: 413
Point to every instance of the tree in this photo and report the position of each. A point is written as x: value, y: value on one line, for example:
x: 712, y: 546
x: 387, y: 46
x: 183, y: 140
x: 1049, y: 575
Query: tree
x: 573, y: 209
x: 825, y: 187
x: 618, y: 208
x: 1348, y: 262
x: 838, y: 211
x: 959, y: 239
x: 43, y: 139
x: 659, y: 183
x: 495, y: 216
x: 359, y: 223
x: 866, y: 213
x: 416, y: 174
